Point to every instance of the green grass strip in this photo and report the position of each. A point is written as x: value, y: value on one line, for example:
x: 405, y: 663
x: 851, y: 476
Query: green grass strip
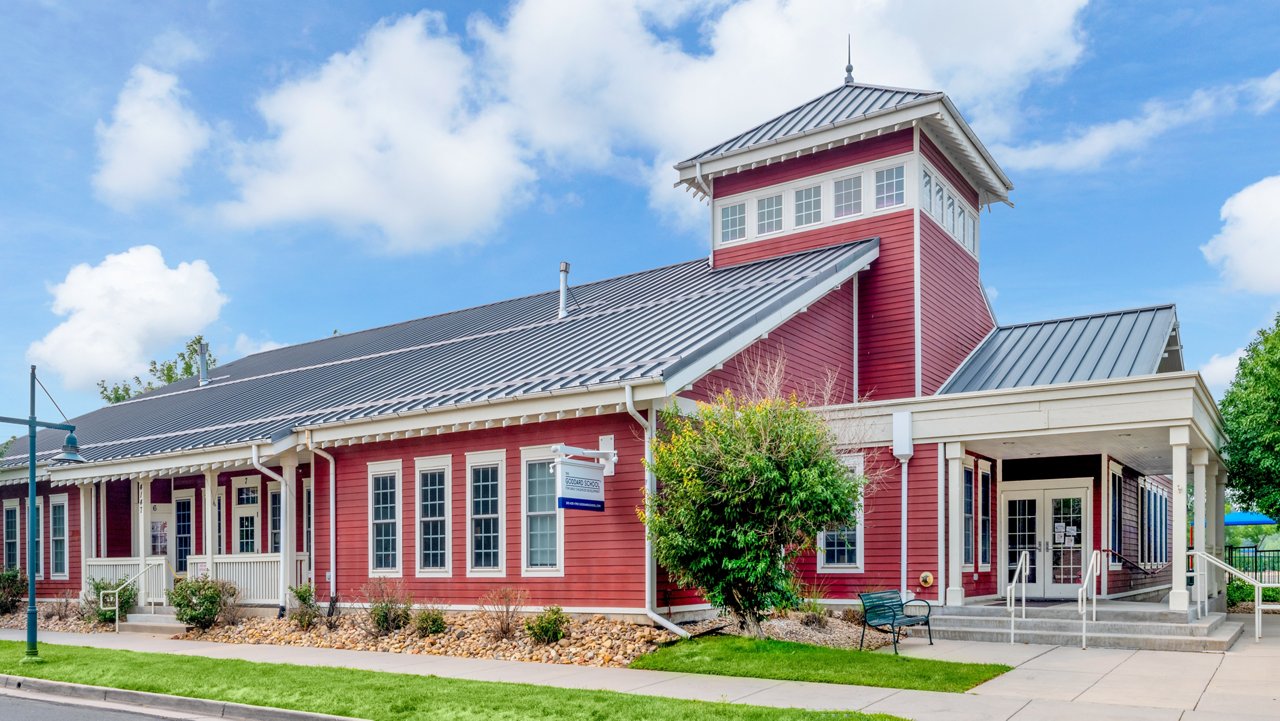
x: 375, y: 695
x: 737, y: 656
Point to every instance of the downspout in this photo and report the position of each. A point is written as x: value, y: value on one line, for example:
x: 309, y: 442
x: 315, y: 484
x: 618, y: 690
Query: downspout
x: 903, y: 450
x: 650, y: 487
x: 284, y: 488
x: 333, y: 540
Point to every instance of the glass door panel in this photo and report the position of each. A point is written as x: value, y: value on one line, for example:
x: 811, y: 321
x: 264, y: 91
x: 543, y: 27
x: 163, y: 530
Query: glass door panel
x: 1022, y: 533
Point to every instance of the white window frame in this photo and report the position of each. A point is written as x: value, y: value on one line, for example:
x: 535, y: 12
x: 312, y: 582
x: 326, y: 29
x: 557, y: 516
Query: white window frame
x: 533, y: 454
x: 39, y: 536
x: 239, y: 511
x: 782, y: 212
x: 857, y: 463
x: 476, y: 459
x: 182, y: 494
x: 1115, y: 514
x: 743, y: 217
x: 964, y: 226
x: 54, y: 502
x: 861, y: 195
x: 17, y: 536
x: 875, y: 188
x: 971, y: 485
x: 984, y: 469
x: 382, y: 468
x: 309, y: 520
x: 816, y: 200
x: 827, y: 182
x: 422, y: 465
x: 220, y: 520
x: 273, y: 488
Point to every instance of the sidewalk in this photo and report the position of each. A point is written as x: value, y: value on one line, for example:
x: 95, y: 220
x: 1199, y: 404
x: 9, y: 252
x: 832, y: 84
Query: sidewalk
x: 1048, y: 682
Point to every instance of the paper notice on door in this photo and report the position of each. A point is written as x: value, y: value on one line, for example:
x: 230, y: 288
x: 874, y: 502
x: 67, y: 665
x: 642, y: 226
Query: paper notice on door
x: 1059, y: 527
x: 1057, y: 538
x: 1070, y: 541
x: 1071, y: 530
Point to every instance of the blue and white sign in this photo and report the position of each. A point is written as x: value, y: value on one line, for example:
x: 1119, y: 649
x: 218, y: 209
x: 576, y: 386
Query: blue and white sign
x: 580, y: 484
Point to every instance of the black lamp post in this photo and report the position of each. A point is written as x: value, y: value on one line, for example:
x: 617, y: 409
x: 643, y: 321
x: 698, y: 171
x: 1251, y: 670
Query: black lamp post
x: 70, y: 454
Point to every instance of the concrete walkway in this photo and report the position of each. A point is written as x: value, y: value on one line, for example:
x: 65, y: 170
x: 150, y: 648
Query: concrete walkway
x: 1048, y: 682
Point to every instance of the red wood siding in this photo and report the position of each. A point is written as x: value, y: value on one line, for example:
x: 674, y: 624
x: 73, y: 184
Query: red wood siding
x: 120, y: 518
x: 935, y: 156
x: 604, y: 552
x: 886, y: 314
x: 954, y: 317
x: 816, y: 347
x: 1127, y: 578
x: 865, y: 151
x: 48, y: 588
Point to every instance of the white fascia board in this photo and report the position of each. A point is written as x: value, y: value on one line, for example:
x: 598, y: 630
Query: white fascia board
x: 958, y: 119
x: 740, y: 342
x: 163, y: 465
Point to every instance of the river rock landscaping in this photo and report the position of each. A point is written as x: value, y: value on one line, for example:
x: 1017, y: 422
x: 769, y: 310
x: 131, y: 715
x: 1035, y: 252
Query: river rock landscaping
x: 65, y: 616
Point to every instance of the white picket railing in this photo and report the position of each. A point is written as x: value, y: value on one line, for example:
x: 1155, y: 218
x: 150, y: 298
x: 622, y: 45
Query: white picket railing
x: 255, y: 575
x: 157, y: 580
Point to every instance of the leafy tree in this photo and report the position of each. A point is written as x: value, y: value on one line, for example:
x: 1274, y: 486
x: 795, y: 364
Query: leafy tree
x: 162, y: 373
x: 744, y: 486
x: 1251, y: 420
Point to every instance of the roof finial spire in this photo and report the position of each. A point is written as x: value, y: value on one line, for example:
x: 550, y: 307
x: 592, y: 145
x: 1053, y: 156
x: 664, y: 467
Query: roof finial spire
x: 848, y: 69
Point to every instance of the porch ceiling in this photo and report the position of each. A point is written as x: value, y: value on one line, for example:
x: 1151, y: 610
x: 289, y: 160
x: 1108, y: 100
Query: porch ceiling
x: 1146, y: 450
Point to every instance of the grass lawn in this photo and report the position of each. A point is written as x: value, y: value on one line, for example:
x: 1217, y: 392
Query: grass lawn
x: 737, y: 656
x: 368, y: 694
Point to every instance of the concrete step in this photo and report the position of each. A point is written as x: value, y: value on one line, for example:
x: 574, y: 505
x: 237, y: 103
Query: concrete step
x: 1200, y: 627
x: 1067, y: 611
x: 1219, y: 641
x: 165, y: 623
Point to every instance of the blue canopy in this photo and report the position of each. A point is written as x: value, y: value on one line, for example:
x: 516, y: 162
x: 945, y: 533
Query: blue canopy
x: 1247, y: 518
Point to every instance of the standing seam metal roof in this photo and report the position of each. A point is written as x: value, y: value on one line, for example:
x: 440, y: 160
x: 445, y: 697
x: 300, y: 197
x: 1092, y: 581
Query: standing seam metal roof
x: 638, y: 327
x: 1092, y: 347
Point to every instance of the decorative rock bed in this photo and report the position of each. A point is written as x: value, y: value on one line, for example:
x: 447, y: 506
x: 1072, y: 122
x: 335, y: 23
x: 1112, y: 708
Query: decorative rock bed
x: 55, y: 616
x: 591, y: 642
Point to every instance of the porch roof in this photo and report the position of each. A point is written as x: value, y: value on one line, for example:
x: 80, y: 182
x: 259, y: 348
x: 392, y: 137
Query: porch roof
x: 643, y: 328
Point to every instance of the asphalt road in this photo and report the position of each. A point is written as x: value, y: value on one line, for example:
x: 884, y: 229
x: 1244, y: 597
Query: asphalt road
x: 22, y: 709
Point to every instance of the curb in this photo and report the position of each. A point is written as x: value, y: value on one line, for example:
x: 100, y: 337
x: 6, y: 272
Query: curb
x: 205, y: 707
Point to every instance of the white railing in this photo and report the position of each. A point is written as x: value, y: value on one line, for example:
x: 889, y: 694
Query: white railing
x: 156, y: 582
x: 1088, y: 584
x: 1019, y: 578
x: 111, y: 569
x: 114, y: 593
x: 1203, y: 587
x: 255, y: 575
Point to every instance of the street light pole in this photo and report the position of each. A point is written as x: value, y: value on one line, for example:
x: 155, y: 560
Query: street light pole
x: 70, y: 454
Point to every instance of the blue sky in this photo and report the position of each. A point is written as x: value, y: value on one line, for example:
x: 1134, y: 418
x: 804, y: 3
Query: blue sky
x: 272, y: 172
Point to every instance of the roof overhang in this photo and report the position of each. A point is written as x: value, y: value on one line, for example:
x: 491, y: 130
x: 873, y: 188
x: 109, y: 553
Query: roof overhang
x: 1130, y: 419
x: 936, y: 112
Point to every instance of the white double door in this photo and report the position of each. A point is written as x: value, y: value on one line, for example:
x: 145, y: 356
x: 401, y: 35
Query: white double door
x: 1053, y: 525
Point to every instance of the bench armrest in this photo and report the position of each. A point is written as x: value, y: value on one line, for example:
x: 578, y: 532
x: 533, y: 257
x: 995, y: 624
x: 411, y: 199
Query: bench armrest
x: 928, y: 609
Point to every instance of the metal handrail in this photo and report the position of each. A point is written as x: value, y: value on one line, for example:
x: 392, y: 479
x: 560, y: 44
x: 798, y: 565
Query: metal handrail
x: 1019, y: 577
x: 1258, y: 607
x: 1135, y: 564
x: 115, y: 593
x: 1087, y: 584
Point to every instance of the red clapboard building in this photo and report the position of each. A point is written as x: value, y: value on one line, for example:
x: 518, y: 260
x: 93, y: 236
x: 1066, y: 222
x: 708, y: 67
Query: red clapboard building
x: 846, y: 245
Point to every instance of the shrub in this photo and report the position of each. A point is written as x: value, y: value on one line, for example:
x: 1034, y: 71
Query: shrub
x: 126, y: 600
x: 755, y: 480
x: 307, y: 612
x: 1239, y: 592
x: 333, y: 613
x: 13, y: 588
x: 200, y: 601
x: 500, y: 610
x: 388, y: 606
x: 429, y: 622
x: 851, y: 615
x: 549, y: 626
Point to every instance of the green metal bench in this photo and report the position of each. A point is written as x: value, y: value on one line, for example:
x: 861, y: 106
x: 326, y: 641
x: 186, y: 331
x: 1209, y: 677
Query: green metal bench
x: 885, y: 611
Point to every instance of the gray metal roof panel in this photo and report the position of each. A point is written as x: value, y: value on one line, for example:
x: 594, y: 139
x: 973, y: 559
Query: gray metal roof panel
x: 1067, y: 350
x: 636, y: 327
x: 841, y: 105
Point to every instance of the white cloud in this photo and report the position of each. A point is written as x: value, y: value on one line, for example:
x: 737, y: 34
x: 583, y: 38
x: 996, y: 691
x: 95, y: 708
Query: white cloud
x: 393, y: 135
x: 152, y: 138
x: 245, y: 345
x: 992, y: 293
x: 1219, y: 371
x: 1088, y: 148
x: 121, y: 312
x: 171, y: 49
x: 1247, y: 248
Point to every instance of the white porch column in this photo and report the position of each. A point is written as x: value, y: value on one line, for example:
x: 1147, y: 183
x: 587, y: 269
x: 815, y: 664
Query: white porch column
x: 1179, y: 439
x: 289, y: 472
x: 210, y: 521
x: 955, y: 524
x: 1212, y: 521
x: 86, y: 532
x: 1220, y: 526
x: 1200, y: 529
x: 144, y: 535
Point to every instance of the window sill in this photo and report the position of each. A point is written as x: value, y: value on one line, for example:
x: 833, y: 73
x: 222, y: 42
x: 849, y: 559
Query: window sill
x: 841, y: 569
x: 434, y: 573
x: 385, y: 573
x: 542, y: 572
x: 486, y: 573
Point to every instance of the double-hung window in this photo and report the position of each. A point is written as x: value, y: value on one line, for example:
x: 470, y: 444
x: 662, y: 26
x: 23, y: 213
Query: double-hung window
x: 968, y: 517
x: 984, y: 516
x: 384, y: 518
x: 733, y: 222
x: 848, y: 196
x: 890, y: 187
x: 58, y: 536
x: 809, y: 205
x: 246, y: 514
x: 926, y: 192
x: 543, y: 522
x: 1115, y: 490
x: 769, y: 215
x: 486, y: 497
x: 434, y: 477
x: 273, y: 518
x: 840, y: 549
x: 12, y: 532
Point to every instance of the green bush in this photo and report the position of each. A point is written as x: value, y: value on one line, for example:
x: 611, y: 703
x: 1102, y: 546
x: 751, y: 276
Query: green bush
x: 388, y: 606
x: 307, y: 612
x: 13, y: 588
x: 128, y: 597
x: 429, y: 622
x: 1239, y: 592
x: 200, y: 601
x: 549, y: 626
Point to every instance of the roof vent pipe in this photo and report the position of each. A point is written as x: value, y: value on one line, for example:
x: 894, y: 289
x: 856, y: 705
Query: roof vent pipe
x: 564, y: 289
x: 204, y: 363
